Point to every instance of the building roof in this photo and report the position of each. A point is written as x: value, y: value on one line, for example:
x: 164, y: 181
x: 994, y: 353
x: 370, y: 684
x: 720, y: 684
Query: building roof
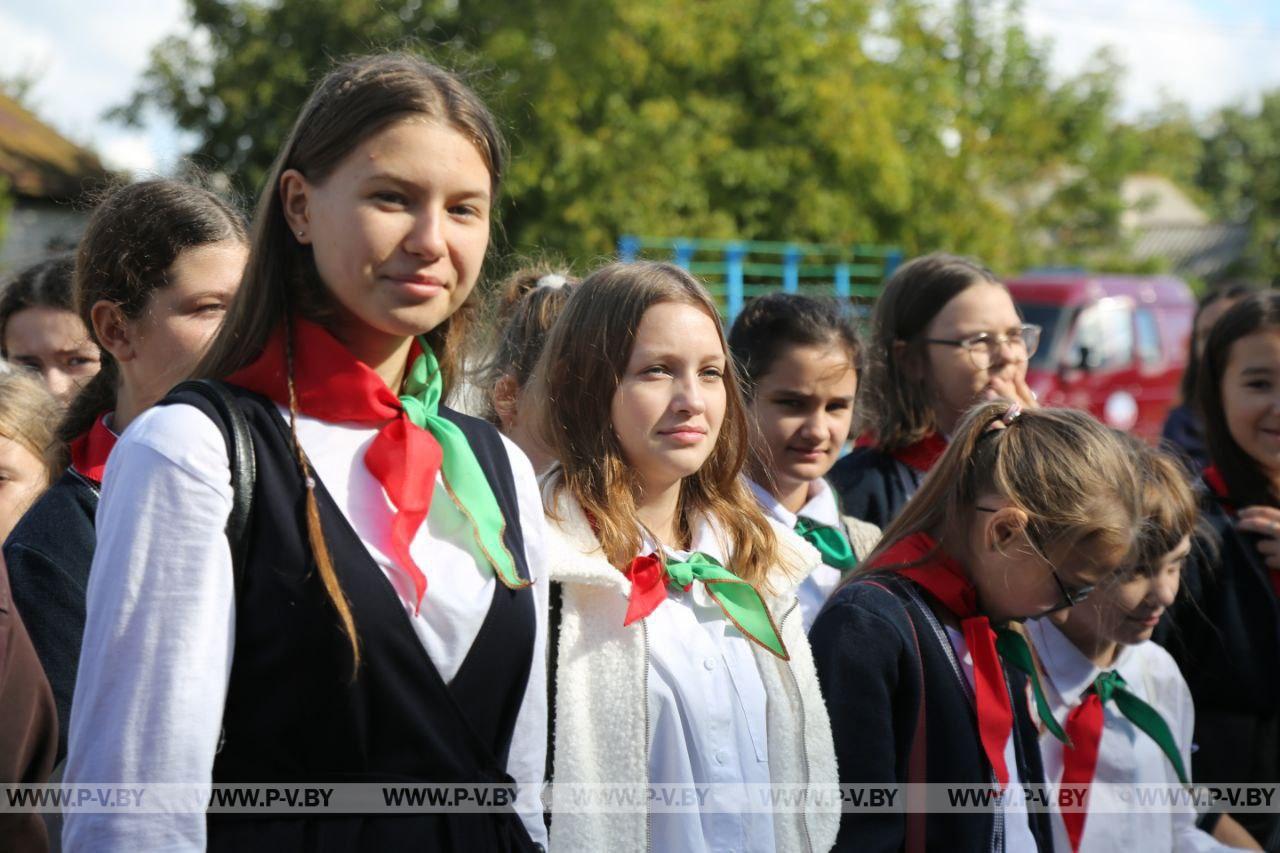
x: 1199, y: 250
x: 39, y: 162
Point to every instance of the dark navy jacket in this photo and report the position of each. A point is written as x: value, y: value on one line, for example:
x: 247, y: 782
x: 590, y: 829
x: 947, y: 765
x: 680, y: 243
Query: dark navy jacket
x: 1224, y: 632
x: 880, y: 652
x: 873, y: 485
x: 49, y: 554
x: 1183, y: 435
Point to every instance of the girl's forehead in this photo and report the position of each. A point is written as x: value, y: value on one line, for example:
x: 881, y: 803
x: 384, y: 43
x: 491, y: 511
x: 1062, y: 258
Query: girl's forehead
x: 1258, y: 349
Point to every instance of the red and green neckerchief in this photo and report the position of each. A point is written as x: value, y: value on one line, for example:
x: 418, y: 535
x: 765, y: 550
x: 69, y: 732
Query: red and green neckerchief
x: 919, y: 558
x: 1084, y: 728
x: 413, y: 443
x: 650, y: 576
x: 89, y: 452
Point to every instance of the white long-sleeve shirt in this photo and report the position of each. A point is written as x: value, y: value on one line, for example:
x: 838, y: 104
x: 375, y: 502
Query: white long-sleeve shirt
x: 160, y: 631
x: 707, y: 711
x: 1126, y: 754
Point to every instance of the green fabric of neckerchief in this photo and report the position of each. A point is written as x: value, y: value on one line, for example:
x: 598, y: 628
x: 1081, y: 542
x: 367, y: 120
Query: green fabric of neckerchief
x: 1014, y: 649
x: 738, y: 599
x: 1110, y: 685
x: 830, y: 541
x: 464, y: 479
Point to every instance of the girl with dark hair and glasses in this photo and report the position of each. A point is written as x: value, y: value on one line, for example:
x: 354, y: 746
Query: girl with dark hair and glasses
x: 1024, y: 514
x: 945, y: 334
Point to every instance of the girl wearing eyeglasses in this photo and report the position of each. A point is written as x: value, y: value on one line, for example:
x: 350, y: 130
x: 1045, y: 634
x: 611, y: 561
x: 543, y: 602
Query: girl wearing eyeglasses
x: 1024, y: 513
x: 944, y: 335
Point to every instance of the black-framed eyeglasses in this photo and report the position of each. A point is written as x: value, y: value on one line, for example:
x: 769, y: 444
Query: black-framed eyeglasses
x: 1070, y: 596
x: 984, y: 347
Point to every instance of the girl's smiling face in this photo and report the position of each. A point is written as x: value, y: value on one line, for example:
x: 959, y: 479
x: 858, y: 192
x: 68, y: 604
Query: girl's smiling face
x: 803, y: 409
x: 1251, y: 397
x: 671, y: 399
x: 1127, y: 610
x: 398, y: 230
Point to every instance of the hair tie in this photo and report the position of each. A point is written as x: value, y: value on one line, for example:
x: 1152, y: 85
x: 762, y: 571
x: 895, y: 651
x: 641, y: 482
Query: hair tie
x: 553, y: 280
x: 1011, y: 414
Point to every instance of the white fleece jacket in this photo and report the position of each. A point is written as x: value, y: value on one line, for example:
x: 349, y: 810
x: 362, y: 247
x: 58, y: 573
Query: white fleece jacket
x: 601, y: 705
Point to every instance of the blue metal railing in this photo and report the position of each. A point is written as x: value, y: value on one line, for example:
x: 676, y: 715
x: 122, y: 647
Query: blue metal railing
x: 735, y: 270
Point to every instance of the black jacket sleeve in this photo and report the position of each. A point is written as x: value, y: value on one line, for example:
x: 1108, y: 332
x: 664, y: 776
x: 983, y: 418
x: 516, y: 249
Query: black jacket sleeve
x: 870, y: 676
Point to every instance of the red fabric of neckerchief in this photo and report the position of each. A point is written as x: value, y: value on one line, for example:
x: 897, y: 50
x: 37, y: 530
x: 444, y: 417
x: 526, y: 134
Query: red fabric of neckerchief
x: 944, y: 579
x: 1218, y: 486
x: 89, y: 452
x: 333, y: 385
x: 648, y: 587
x: 1080, y: 761
x: 922, y: 455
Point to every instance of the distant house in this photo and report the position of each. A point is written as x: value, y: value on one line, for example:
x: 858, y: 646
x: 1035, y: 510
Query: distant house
x: 50, y: 178
x: 1163, y: 222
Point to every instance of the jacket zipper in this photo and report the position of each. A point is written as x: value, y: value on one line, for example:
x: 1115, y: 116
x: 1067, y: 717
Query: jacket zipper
x: 804, y: 750
x: 940, y: 633
x: 648, y: 805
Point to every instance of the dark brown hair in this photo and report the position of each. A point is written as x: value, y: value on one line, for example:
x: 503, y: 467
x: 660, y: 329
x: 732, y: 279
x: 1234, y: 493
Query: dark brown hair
x: 1227, y: 290
x: 353, y: 102
x: 577, y: 376
x: 46, y: 284
x: 1246, y: 482
x: 896, y: 409
x: 529, y: 302
x: 133, y: 238
x: 770, y: 323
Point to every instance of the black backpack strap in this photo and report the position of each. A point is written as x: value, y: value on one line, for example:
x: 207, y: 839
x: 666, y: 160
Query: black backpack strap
x: 244, y: 471
x: 554, y: 605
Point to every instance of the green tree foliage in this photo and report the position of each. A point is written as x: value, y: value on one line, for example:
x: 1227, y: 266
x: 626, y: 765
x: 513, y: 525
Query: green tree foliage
x: 1240, y: 170
x: 904, y: 121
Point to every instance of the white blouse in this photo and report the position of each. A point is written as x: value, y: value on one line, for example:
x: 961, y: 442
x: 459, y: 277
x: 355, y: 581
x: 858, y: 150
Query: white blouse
x: 160, y: 631
x: 707, y: 717
x: 1126, y: 755
x: 822, y: 508
x: 1017, y: 822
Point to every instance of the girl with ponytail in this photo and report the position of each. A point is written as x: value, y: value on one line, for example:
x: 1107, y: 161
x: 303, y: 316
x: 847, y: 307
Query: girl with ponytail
x: 156, y: 269
x: 386, y: 619
x: 1024, y: 514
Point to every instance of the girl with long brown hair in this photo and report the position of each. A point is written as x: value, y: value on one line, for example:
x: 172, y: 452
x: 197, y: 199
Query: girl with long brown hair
x: 924, y: 677
x: 157, y: 267
x: 945, y: 335
x: 681, y: 657
x: 381, y: 622
x: 1225, y: 634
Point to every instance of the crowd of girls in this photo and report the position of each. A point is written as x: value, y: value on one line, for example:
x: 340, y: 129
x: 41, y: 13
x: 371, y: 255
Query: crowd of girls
x: 648, y: 562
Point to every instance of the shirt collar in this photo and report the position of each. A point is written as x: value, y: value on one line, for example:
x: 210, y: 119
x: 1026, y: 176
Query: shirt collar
x: 1069, y: 671
x: 821, y: 505
x: 707, y: 539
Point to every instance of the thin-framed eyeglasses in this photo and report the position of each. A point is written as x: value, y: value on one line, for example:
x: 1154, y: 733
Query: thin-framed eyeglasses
x: 984, y: 346
x: 1070, y: 596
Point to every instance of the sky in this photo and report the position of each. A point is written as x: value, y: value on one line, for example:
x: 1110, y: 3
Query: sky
x: 89, y: 54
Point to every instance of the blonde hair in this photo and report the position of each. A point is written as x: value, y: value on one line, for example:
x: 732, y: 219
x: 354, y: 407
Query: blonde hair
x: 529, y: 302
x: 1169, y: 509
x: 575, y: 380
x: 1072, y: 476
x: 30, y: 415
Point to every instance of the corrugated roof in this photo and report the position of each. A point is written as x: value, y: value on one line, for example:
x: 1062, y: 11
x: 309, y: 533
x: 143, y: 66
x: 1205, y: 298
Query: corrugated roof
x: 1199, y: 250
x: 41, y: 163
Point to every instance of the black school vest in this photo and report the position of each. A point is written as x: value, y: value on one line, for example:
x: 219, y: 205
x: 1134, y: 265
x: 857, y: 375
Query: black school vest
x: 293, y: 712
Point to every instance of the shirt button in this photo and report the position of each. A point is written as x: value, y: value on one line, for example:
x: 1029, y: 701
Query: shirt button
x: 709, y: 664
x: 722, y: 758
